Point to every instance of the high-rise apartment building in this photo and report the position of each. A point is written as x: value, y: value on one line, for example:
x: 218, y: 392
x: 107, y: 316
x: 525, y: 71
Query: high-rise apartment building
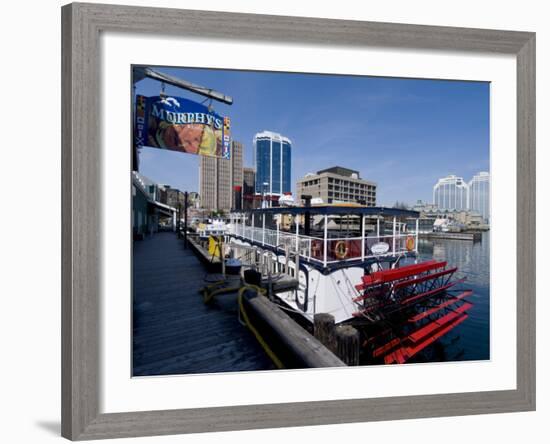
x: 249, y: 187
x: 208, y: 183
x: 218, y: 177
x: 272, y: 153
x: 479, y: 195
x: 337, y: 184
x: 451, y: 193
x: 237, y: 173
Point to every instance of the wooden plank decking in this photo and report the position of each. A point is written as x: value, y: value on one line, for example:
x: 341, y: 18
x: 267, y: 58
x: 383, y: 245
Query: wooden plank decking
x: 173, y: 331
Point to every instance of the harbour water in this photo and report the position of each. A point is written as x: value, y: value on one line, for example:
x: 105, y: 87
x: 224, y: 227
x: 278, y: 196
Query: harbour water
x: 471, y: 339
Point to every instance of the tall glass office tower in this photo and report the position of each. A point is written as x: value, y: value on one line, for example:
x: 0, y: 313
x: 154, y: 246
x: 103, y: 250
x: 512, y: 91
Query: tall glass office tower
x: 480, y: 192
x: 451, y: 193
x: 273, y: 163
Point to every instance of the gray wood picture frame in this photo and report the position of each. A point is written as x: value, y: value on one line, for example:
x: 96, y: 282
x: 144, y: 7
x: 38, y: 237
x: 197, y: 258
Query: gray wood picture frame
x: 81, y: 174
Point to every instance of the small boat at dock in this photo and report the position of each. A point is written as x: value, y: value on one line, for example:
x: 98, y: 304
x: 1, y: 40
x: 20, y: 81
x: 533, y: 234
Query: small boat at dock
x: 214, y: 227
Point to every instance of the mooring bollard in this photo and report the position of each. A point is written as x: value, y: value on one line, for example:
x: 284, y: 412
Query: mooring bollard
x: 324, y: 330
x: 347, y: 344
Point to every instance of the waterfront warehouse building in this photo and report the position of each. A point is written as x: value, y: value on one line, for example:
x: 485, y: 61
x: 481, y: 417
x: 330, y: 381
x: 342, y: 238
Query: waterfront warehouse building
x: 337, y: 184
x: 479, y: 195
x: 149, y: 208
x: 451, y: 193
x: 272, y: 154
x: 218, y: 177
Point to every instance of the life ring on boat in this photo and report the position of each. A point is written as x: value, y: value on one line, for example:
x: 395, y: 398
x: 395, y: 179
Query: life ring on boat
x: 409, y: 243
x: 341, y: 249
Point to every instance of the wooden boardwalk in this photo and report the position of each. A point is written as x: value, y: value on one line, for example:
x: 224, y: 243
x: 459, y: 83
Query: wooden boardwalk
x: 173, y: 331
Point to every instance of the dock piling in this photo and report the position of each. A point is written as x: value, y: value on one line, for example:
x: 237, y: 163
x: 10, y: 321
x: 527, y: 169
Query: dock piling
x: 347, y: 344
x: 295, y: 346
x: 324, y: 330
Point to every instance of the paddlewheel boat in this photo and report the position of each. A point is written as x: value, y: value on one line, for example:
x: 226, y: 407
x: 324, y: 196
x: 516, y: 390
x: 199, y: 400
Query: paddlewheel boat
x: 359, y: 264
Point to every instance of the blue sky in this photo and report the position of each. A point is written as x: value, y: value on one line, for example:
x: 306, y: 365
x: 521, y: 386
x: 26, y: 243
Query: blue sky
x: 403, y: 134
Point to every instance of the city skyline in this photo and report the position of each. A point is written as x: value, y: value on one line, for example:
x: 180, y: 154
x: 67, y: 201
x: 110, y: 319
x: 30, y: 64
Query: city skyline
x: 403, y: 134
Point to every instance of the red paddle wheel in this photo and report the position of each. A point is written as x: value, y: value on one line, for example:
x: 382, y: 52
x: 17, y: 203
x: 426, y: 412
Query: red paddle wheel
x: 409, y: 308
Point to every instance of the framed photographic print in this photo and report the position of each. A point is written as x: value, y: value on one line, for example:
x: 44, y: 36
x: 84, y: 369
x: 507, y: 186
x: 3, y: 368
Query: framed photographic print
x: 278, y: 221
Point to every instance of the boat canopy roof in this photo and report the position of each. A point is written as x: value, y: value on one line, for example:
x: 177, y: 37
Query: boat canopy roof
x: 338, y: 209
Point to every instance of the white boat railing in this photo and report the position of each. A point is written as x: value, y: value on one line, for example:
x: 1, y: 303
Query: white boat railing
x: 328, y: 250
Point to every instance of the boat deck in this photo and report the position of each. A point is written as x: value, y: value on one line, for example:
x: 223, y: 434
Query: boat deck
x: 174, y: 332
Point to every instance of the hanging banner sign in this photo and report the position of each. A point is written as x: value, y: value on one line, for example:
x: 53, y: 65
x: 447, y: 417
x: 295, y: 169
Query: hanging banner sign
x: 179, y: 124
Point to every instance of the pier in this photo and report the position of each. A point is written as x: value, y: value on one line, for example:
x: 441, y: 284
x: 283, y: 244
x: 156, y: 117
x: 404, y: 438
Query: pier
x: 174, y: 332
x: 473, y: 237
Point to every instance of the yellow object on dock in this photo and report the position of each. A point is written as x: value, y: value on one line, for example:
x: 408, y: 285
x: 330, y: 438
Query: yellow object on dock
x: 214, y: 246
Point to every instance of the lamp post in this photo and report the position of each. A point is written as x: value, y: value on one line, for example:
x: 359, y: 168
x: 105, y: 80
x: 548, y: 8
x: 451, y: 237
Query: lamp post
x: 185, y: 206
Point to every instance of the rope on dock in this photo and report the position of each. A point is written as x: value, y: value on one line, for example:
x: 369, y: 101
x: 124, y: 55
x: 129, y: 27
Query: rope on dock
x: 255, y: 332
x: 217, y: 288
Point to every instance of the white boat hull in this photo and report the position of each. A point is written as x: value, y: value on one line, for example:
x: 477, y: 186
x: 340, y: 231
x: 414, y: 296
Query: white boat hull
x: 317, y: 292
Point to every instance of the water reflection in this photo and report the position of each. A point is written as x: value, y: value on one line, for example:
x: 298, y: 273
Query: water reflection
x: 471, y: 339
